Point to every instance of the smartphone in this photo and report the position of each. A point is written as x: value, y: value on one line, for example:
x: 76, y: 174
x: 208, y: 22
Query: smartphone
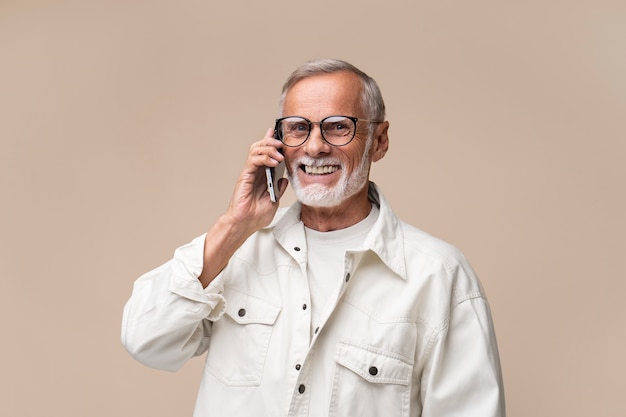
x: 273, y: 174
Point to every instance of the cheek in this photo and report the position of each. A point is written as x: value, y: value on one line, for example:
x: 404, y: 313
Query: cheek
x: 289, y: 157
x: 354, y: 157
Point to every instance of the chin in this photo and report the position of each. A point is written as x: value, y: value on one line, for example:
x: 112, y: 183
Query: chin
x: 320, y: 195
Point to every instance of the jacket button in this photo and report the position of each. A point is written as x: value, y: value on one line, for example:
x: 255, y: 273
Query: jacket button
x: 301, y: 389
x: 347, y: 277
x: 241, y: 312
x: 373, y: 370
x: 297, y: 248
x: 298, y: 366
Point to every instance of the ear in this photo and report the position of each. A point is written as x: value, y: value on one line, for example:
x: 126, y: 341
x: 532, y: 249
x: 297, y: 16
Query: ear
x: 380, y: 144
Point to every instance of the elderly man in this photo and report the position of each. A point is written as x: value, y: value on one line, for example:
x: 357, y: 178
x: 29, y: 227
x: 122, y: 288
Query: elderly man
x: 333, y: 306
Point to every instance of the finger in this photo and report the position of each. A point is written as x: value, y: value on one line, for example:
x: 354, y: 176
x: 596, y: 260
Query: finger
x: 271, y: 140
x: 265, y: 154
x: 270, y: 133
x: 268, y: 140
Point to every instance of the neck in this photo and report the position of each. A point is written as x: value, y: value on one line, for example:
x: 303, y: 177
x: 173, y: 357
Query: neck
x: 348, y: 213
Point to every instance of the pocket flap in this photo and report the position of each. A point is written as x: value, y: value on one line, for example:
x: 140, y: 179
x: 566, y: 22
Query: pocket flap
x: 374, y: 364
x: 245, y: 309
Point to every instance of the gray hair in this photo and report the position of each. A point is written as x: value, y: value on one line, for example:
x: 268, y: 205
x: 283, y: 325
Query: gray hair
x: 371, y: 98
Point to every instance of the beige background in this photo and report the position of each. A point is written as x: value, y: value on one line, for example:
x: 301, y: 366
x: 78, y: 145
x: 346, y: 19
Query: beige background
x: 123, y: 125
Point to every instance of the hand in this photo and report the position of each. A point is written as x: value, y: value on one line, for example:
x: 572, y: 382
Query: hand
x: 251, y: 205
x: 250, y: 208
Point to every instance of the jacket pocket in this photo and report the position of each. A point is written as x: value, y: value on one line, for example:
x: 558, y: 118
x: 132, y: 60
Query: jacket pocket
x: 239, y: 340
x: 370, y: 381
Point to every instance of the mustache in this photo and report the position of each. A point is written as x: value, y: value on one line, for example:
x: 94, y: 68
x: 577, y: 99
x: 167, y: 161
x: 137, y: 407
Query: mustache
x: 315, y: 162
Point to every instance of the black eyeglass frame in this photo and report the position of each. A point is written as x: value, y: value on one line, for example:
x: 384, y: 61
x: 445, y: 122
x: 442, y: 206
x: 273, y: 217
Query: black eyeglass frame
x: 310, y: 123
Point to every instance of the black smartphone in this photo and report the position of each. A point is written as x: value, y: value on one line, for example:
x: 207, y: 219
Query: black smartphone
x: 273, y: 174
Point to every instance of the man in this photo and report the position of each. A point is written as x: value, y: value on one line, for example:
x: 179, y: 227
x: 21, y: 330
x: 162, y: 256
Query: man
x: 333, y: 306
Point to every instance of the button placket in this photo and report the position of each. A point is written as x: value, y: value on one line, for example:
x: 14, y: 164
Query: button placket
x: 348, y: 276
x: 301, y: 397
x: 297, y: 249
x: 348, y: 268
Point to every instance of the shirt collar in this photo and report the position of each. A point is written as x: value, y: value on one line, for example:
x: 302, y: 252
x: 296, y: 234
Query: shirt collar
x: 386, y: 238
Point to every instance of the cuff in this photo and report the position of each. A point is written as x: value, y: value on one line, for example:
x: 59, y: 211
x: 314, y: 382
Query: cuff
x: 186, y: 268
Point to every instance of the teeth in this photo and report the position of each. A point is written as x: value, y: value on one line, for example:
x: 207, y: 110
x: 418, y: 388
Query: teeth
x: 326, y: 169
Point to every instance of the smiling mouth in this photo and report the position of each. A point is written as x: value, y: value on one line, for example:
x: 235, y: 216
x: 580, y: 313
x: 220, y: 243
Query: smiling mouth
x: 319, y: 170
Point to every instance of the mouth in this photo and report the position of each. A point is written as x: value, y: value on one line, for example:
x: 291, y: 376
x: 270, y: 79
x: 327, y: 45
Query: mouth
x: 319, y: 170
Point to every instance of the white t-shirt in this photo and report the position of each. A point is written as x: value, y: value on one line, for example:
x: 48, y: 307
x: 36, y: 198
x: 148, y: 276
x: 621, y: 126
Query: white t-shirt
x: 326, y: 252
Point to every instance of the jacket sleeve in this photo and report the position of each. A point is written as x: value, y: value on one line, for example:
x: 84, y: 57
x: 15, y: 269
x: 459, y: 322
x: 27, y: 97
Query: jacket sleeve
x: 167, y: 319
x: 462, y: 375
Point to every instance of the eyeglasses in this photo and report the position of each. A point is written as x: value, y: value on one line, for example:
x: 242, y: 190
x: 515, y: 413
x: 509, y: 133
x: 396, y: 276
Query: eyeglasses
x: 293, y: 131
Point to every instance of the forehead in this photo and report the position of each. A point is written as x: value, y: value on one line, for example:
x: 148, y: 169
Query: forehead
x: 324, y: 95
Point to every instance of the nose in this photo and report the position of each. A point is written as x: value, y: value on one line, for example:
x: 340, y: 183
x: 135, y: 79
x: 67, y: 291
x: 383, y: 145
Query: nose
x: 315, y: 144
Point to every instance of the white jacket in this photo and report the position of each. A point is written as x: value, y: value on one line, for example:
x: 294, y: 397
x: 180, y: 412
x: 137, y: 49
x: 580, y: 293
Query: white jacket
x: 410, y: 334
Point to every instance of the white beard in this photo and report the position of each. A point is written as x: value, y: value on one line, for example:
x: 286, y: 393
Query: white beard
x: 319, y: 195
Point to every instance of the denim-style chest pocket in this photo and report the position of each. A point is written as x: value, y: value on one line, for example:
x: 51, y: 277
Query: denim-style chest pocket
x: 240, y: 339
x: 381, y: 378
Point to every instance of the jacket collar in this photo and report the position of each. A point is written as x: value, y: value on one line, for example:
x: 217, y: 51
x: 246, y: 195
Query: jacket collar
x: 386, y: 238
